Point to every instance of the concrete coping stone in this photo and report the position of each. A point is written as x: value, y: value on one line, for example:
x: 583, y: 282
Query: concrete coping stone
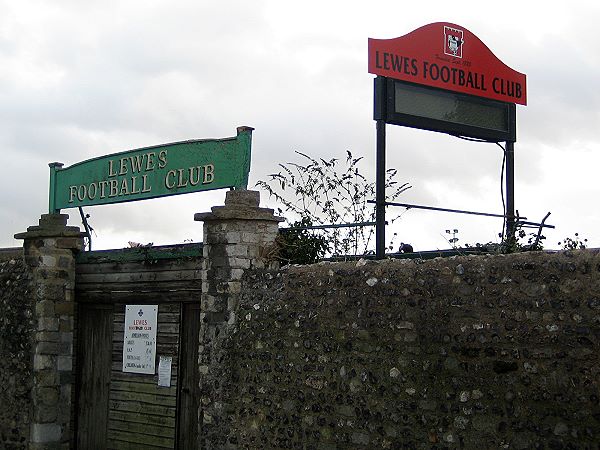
x: 36, y: 231
x: 239, y: 204
x: 240, y: 213
x: 51, y: 225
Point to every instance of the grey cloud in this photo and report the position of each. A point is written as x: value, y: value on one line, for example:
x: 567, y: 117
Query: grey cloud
x: 118, y: 76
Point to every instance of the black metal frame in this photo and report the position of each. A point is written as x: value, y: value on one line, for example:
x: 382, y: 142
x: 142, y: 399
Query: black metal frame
x: 384, y: 113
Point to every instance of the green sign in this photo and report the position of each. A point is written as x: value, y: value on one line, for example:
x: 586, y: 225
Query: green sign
x: 169, y: 169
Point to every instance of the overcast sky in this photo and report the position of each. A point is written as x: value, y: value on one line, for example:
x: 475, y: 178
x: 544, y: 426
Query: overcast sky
x: 81, y: 79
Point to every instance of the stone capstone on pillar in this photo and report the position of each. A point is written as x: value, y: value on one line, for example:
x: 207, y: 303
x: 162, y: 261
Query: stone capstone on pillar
x: 239, y: 204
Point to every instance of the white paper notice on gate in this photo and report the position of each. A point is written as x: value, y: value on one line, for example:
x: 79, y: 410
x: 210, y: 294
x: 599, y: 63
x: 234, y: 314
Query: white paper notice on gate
x: 139, y: 338
x: 164, y: 371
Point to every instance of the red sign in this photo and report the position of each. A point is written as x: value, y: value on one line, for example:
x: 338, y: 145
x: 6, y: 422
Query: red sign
x: 447, y: 56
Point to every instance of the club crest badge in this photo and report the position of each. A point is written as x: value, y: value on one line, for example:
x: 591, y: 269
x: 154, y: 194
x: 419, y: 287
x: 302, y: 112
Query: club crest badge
x: 453, y: 42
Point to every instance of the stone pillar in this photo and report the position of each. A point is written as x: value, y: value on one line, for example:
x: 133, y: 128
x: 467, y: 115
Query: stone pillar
x: 237, y: 237
x: 49, y: 251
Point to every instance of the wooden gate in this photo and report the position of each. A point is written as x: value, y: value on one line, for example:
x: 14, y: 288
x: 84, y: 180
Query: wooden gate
x: 121, y: 410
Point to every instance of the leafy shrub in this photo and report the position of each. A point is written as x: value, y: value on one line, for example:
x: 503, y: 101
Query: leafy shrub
x: 327, y: 192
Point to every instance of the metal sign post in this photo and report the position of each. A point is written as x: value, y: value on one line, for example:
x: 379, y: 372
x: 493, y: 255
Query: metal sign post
x: 380, y: 106
x: 442, y: 78
x: 510, y: 190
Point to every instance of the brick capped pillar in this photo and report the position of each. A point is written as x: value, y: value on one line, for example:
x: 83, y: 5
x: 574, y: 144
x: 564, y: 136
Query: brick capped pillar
x: 49, y: 251
x: 237, y: 237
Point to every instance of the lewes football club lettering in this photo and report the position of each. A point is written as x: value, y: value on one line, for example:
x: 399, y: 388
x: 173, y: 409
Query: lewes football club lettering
x: 158, y: 171
x: 449, y: 57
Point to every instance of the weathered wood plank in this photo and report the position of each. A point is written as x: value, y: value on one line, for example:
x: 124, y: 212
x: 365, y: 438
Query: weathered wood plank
x: 149, y: 419
x: 139, y: 277
x: 169, y: 308
x: 119, y: 375
x: 120, y: 445
x: 124, y: 436
x: 98, y: 294
x: 165, y: 265
x: 189, y: 398
x: 131, y: 386
x: 149, y: 254
x: 131, y: 294
x: 95, y: 323
x: 157, y: 410
x: 168, y: 328
x: 152, y: 399
x: 166, y: 308
x: 142, y: 428
x: 146, y: 286
x: 125, y: 290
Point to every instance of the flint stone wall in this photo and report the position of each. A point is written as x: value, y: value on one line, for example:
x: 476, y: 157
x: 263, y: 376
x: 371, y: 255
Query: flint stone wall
x: 464, y: 352
x: 17, y: 328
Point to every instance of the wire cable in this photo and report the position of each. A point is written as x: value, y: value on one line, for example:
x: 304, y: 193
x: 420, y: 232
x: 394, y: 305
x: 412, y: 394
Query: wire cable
x: 502, y: 188
x: 470, y: 139
x: 465, y: 138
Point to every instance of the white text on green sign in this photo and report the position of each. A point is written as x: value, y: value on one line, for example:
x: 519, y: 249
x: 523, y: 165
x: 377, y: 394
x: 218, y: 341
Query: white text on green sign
x: 169, y: 169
